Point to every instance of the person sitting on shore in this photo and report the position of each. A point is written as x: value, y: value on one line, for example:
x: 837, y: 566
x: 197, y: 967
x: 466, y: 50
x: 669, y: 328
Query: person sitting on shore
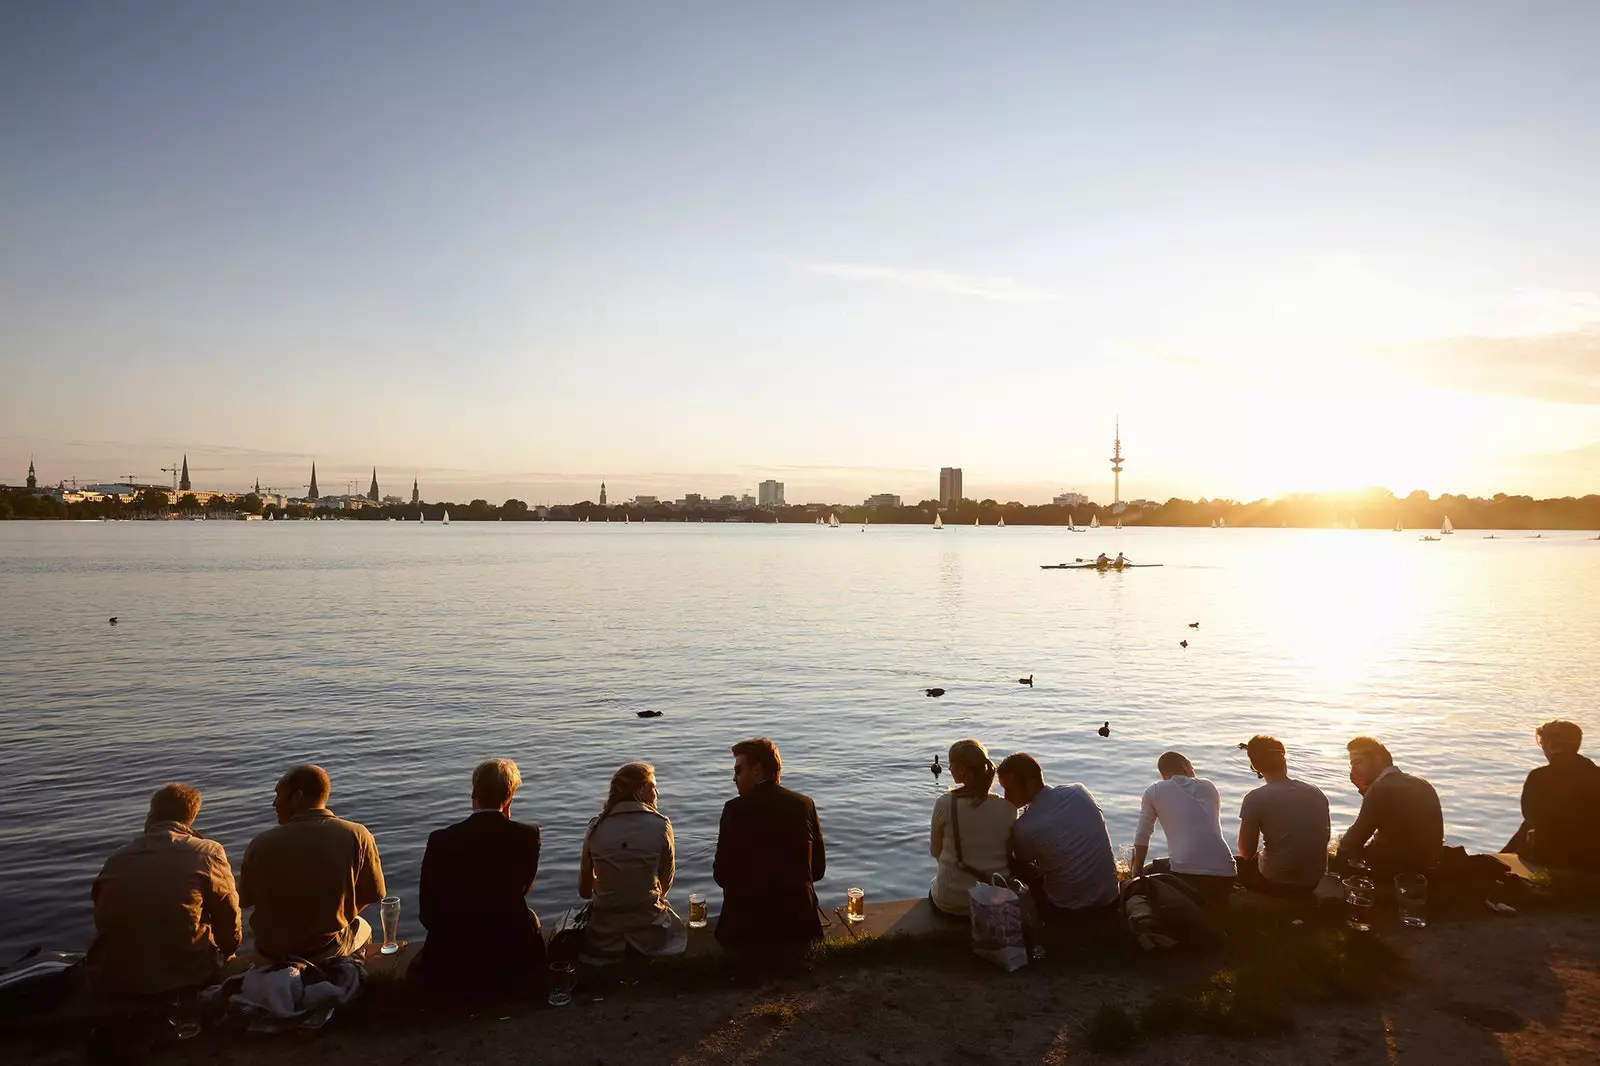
x: 627, y: 869
x: 310, y: 876
x: 1060, y: 846
x: 166, y: 915
x: 1561, y: 803
x: 769, y: 852
x: 1400, y: 816
x: 1291, y: 815
x: 476, y: 875
x: 971, y: 830
x: 1190, y: 812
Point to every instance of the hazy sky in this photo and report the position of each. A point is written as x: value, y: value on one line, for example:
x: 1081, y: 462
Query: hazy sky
x: 516, y: 248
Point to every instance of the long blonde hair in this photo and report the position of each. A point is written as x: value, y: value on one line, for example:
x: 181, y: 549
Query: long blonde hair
x: 973, y: 760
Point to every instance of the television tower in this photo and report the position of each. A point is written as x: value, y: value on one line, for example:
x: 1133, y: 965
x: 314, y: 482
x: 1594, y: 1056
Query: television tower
x: 1116, y: 466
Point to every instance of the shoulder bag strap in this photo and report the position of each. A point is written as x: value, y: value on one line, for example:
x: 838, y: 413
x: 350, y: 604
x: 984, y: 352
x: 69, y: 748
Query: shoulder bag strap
x: 955, y: 831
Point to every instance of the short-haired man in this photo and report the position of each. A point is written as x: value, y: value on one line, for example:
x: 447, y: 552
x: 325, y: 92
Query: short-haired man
x: 1190, y: 812
x: 769, y: 852
x: 482, y: 937
x: 1060, y: 844
x: 1400, y: 815
x: 1291, y: 815
x: 1561, y: 803
x: 166, y: 915
x: 310, y: 876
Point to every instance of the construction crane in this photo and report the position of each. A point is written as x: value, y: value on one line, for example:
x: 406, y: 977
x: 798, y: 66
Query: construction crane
x: 176, y: 469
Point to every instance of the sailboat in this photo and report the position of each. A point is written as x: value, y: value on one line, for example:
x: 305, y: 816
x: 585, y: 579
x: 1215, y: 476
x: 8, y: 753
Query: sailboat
x: 421, y: 517
x: 1447, y: 528
x: 446, y: 519
x: 1119, y: 523
x: 1398, y: 528
x: 819, y: 520
x: 833, y: 520
x: 626, y: 519
x: 1094, y: 521
x: 1002, y: 522
x: 1222, y: 523
x: 976, y: 522
x: 1213, y: 523
x: 938, y: 522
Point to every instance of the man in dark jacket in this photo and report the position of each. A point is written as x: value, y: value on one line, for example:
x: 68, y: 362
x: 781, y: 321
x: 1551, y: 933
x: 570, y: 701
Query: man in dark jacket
x: 1400, y: 815
x: 482, y: 938
x: 769, y: 851
x: 1561, y: 803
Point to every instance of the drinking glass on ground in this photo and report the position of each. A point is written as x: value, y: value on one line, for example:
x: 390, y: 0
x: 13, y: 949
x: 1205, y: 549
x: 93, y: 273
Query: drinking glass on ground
x: 1359, y: 892
x: 186, y: 1016
x: 697, y: 910
x: 1124, y: 862
x: 1411, y: 892
x: 855, y: 905
x: 389, y: 915
x: 563, y: 978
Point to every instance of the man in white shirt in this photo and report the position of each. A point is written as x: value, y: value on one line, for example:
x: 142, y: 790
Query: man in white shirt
x: 1190, y: 813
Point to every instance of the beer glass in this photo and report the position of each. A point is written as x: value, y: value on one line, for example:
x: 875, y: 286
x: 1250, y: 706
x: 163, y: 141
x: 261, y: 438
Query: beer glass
x: 697, y: 910
x: 1411, y: 892
x: 1359, y: 892
x: 563, y: 978
x: 389, y: 917
x: 855, y: 905
x: 1124, y: 862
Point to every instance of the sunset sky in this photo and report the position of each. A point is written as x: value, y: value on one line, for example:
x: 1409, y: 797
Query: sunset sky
x: 516, y: 248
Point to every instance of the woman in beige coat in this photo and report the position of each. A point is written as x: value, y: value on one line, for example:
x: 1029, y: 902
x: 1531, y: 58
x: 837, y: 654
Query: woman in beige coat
x: 971, y: 831
x: 627, y: 870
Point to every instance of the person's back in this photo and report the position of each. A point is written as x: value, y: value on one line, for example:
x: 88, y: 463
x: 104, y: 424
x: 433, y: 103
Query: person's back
x: 1561, y: 805
x: 310, y: 876
x: 1062, y: 832
x: 769, y: 852
x: 1189, y: 811
x: 1400, y: 828
x: 165, y: 911
x: 1293, y: 820
x: 627, y: 869
x: 984, y: 823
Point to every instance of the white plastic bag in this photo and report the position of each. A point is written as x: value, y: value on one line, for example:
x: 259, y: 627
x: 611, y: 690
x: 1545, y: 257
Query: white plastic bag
x: 996, y: 915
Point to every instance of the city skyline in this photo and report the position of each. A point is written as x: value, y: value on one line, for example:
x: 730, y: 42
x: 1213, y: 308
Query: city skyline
x: 1313, y: 252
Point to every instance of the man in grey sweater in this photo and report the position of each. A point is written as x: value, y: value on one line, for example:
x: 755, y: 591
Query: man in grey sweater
x: 1400, y: 828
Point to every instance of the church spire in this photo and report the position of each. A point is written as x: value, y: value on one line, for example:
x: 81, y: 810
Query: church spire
x: 33, y: 481
x: 602, y: 494
x: 415, y: 497
x: 372, y: 493
x: 313, y: 494
x: 183, y: 481
x: 257, y: 489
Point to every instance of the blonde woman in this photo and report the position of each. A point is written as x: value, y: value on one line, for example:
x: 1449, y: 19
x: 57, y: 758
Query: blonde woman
x: 627, y: 870
x: 971, y: 830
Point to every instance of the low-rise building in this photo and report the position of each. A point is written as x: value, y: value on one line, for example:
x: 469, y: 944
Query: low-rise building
x: 882, y: 499
x: 1070, y: 499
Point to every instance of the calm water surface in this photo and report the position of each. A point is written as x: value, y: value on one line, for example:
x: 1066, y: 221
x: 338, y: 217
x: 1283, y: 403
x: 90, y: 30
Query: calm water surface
x: 398, y: 656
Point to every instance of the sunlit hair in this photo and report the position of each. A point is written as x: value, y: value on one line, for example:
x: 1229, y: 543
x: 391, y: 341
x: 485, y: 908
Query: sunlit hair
x: 1020, y: 768
x: 762, y: 752
x: 1370, y: 748
x: 1266, y: 753
x: 310, y: 780
x: 174, y: 802
x: 1173, y: 764
x: 972, y: 760
x: 629, y: 779
x: 1559, y: 737
x: 495, y: 781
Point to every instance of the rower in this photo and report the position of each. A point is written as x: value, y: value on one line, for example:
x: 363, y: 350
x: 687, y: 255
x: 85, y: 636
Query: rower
x: 1121, y: 562
x: 1102, y: 559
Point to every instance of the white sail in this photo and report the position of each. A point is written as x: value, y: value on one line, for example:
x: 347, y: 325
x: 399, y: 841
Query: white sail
x: 1213, y: 523
x: 1397, y: 527
x: 446, y: 519
x: 1070, y: 520
x: 1094, y: 521
x: 938, y: 522
x: 1119, y: 523
x: 1447, y: 527
x: 1222, y: 523
x: 833, y: 520
x: 976, y: 522
x: 1002, y: 522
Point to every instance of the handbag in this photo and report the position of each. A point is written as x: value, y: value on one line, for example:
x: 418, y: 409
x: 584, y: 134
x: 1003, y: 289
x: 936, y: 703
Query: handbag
x: 568, y: 934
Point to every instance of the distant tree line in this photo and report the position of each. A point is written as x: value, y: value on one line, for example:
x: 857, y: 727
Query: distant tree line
x: 1368, y: 509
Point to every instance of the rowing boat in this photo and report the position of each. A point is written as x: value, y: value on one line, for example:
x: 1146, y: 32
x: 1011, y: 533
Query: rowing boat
x: 1093, y: 566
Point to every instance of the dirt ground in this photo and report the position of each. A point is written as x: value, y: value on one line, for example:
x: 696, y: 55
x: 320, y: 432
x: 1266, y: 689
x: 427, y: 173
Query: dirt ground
x: 1524, y: 990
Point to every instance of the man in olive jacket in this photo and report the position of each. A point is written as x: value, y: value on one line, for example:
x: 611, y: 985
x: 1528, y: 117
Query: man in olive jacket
x: 769, y: 851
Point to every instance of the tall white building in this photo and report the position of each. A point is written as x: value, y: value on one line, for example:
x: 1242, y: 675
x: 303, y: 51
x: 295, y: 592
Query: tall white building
x: 770, y: 494
x: 949, y: 486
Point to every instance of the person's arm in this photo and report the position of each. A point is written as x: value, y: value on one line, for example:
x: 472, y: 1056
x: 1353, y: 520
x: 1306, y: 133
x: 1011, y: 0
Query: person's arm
x: 1249, y: 829
x: 586, y: 868
x: 1147, y: 827
x: 533, y: 859
x: 428, y: 889
x: 723, y: 863
x: 369, y: 878
x: 1366, y: 823
x: 941, y: 815
x: 666, y: 867
x: 220, y: 903
x: 248, y: 873
x: 819, y: 857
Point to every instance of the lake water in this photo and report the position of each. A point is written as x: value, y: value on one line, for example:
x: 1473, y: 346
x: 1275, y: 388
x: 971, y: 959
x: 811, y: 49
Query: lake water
x: 398, y: 656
